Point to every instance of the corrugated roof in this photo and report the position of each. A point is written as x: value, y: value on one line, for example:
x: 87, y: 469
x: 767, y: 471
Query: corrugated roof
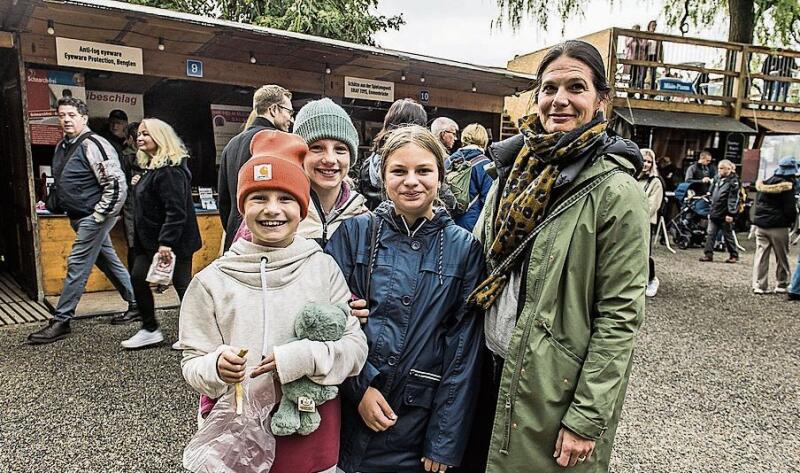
x: 681, y: 120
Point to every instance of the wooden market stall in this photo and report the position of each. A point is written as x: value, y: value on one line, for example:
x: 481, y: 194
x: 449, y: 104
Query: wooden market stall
x: 198, y: 74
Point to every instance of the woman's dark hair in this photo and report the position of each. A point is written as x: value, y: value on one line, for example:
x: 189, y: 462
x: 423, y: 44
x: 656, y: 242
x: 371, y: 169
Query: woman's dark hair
x: 583, y: 52
x: 402, y: 112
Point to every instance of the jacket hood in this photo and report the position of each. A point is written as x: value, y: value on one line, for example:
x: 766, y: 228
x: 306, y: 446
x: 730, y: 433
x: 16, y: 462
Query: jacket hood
x: 503, y: 153
x: 466, y: 153
x: 284, y: 265
x: 774, y: 185
x: 441, y: 219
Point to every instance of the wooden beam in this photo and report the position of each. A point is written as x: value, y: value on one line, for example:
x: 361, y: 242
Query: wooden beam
x: 671, y: 93
x: 683, y: 67
x: 40, y: 49
x: 622, y: 102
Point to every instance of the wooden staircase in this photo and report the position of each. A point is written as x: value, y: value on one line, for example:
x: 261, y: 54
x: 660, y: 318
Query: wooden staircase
x: 507, y: 127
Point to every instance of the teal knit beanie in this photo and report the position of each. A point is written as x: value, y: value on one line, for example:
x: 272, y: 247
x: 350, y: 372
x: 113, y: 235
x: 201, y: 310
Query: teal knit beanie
x: 323, y: 119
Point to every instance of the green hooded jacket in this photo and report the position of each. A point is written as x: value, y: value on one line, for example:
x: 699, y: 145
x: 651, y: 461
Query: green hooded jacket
x: 570, y: 354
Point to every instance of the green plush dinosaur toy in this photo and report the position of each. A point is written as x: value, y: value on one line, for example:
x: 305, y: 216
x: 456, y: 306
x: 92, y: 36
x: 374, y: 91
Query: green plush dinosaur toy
x: 297, y: 412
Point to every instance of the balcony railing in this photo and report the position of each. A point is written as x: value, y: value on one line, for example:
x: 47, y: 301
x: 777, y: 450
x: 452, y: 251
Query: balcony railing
x: 651, y: 70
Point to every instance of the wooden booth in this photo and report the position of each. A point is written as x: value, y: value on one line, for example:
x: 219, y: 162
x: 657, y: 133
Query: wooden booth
x: 198, y: 74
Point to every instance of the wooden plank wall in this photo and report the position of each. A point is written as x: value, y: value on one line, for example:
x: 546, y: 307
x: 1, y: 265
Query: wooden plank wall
x: 56, y: 237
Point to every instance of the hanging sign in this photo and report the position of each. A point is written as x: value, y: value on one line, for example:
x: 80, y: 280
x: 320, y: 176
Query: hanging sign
x: 227, y: 121
x: 368, y: 89
x: 101, y: 103
x: 44, y: 89
x: 102, y: 56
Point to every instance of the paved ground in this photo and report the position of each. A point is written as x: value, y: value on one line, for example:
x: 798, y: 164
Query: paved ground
x: 716, y: 388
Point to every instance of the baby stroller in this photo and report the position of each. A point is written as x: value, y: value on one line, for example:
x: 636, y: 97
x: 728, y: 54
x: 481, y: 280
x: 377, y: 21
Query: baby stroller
x: 688, y: 228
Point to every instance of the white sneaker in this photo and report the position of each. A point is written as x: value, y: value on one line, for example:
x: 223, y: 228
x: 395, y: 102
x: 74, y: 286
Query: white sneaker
x: 143, y: 338
x: 652, y: 288
x: 780, y: 290
x: 760, y: 291
x: 177, y: 346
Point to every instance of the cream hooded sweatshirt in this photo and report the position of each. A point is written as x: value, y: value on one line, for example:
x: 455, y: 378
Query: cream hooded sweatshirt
x: 251, y: 288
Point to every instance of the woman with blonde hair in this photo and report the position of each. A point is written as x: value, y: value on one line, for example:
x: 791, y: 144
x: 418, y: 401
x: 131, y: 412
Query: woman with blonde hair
x: 472, y: 156
x: 415, y: 398
x: 653, y: 188
x: 164, y: 220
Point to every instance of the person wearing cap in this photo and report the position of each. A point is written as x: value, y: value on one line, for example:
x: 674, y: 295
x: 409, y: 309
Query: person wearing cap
x: 249, y: 299
x: 775, y: 214
x: 332, y: 146
x: 117, y: 132
x: 272, y: 110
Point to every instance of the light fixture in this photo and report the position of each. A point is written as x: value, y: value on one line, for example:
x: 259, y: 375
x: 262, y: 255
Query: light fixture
x: 474, y: 88
x: 252, y: 58
x: 51, y: 29
x: 422, y: 77
x: 161, y: 46
x: 327, y: 68
x: 403, y: 75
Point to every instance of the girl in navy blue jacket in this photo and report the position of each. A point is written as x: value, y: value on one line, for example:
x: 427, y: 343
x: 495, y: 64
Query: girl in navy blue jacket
x: 411, y: 407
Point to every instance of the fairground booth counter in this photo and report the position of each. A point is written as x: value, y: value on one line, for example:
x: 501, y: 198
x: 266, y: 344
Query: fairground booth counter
x: 198, y: 74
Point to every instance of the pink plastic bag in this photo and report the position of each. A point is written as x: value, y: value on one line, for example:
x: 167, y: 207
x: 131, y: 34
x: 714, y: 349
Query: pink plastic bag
x: 231, y: 443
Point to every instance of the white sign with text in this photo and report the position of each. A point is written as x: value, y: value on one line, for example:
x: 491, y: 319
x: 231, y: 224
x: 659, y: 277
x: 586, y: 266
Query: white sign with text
x: 368, y: 89
x: 102, y: 56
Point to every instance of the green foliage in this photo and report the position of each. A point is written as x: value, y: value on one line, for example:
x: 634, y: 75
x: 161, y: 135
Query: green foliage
x: 777, y: 22
x: 346, y: 20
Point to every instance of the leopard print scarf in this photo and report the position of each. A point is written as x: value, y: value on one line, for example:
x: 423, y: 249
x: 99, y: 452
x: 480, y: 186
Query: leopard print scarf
x: 527, y: 192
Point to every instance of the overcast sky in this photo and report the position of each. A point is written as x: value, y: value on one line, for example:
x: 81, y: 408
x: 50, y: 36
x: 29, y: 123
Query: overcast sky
x: 460, y: 29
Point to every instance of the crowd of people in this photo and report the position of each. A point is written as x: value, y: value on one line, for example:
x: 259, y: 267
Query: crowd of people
x: 477, y: 336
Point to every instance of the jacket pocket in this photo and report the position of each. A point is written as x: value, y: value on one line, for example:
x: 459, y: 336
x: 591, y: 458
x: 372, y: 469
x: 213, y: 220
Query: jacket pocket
x: 419, y: 393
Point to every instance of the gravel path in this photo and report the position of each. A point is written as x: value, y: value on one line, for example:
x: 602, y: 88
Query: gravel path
x: 715, y: 388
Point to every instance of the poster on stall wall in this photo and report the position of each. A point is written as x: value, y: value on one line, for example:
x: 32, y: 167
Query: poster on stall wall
x: 101, y: 103
x: 227, y: 122
x: 44, y: 89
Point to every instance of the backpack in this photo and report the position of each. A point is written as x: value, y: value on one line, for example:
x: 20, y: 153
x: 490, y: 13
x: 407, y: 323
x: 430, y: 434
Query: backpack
x: 458, y: 178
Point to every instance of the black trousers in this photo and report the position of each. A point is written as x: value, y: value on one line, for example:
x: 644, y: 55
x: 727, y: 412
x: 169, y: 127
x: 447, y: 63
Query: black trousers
x: 142, y: 260
x: 715, y: 225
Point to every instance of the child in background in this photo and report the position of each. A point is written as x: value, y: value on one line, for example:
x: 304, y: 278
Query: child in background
x: 266, y: 283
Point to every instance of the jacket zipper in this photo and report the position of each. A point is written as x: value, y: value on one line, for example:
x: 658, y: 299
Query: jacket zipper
x: 425, y: 375
x: 512, y: 391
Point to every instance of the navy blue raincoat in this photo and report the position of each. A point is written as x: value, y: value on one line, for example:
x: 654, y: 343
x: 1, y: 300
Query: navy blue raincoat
x: 424, y: 341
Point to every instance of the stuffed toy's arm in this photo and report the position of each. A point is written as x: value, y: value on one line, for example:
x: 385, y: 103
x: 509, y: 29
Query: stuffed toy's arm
x: 326, y: 363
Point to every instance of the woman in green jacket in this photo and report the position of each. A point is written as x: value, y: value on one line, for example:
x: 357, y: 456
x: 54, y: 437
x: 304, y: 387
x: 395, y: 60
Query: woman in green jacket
x: 565, y: 233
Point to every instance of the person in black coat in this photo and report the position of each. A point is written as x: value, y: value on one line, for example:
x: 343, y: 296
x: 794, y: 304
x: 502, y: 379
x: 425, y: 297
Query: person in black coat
x: 724, y: 208
x: 272, y: 110
x: 700, y: 174
x: 774, y: 215
x: 164, y: 220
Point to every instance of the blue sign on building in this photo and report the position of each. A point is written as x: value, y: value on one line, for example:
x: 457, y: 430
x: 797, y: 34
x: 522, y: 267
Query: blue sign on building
x: 424, y: 96
x: 194, y: 68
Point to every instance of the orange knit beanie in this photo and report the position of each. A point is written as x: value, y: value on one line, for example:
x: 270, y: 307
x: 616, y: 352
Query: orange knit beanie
x: 276, y: 165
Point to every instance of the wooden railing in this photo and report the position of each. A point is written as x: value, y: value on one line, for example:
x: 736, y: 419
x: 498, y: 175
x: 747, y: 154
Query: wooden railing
x: 652, y: 70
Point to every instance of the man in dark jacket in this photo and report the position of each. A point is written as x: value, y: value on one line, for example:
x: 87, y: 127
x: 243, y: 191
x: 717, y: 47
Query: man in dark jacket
x: 774, y: 216
x: 724, y: 208
x: 272, y: 107
x: 91, y: 189
x: 700, y: 174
